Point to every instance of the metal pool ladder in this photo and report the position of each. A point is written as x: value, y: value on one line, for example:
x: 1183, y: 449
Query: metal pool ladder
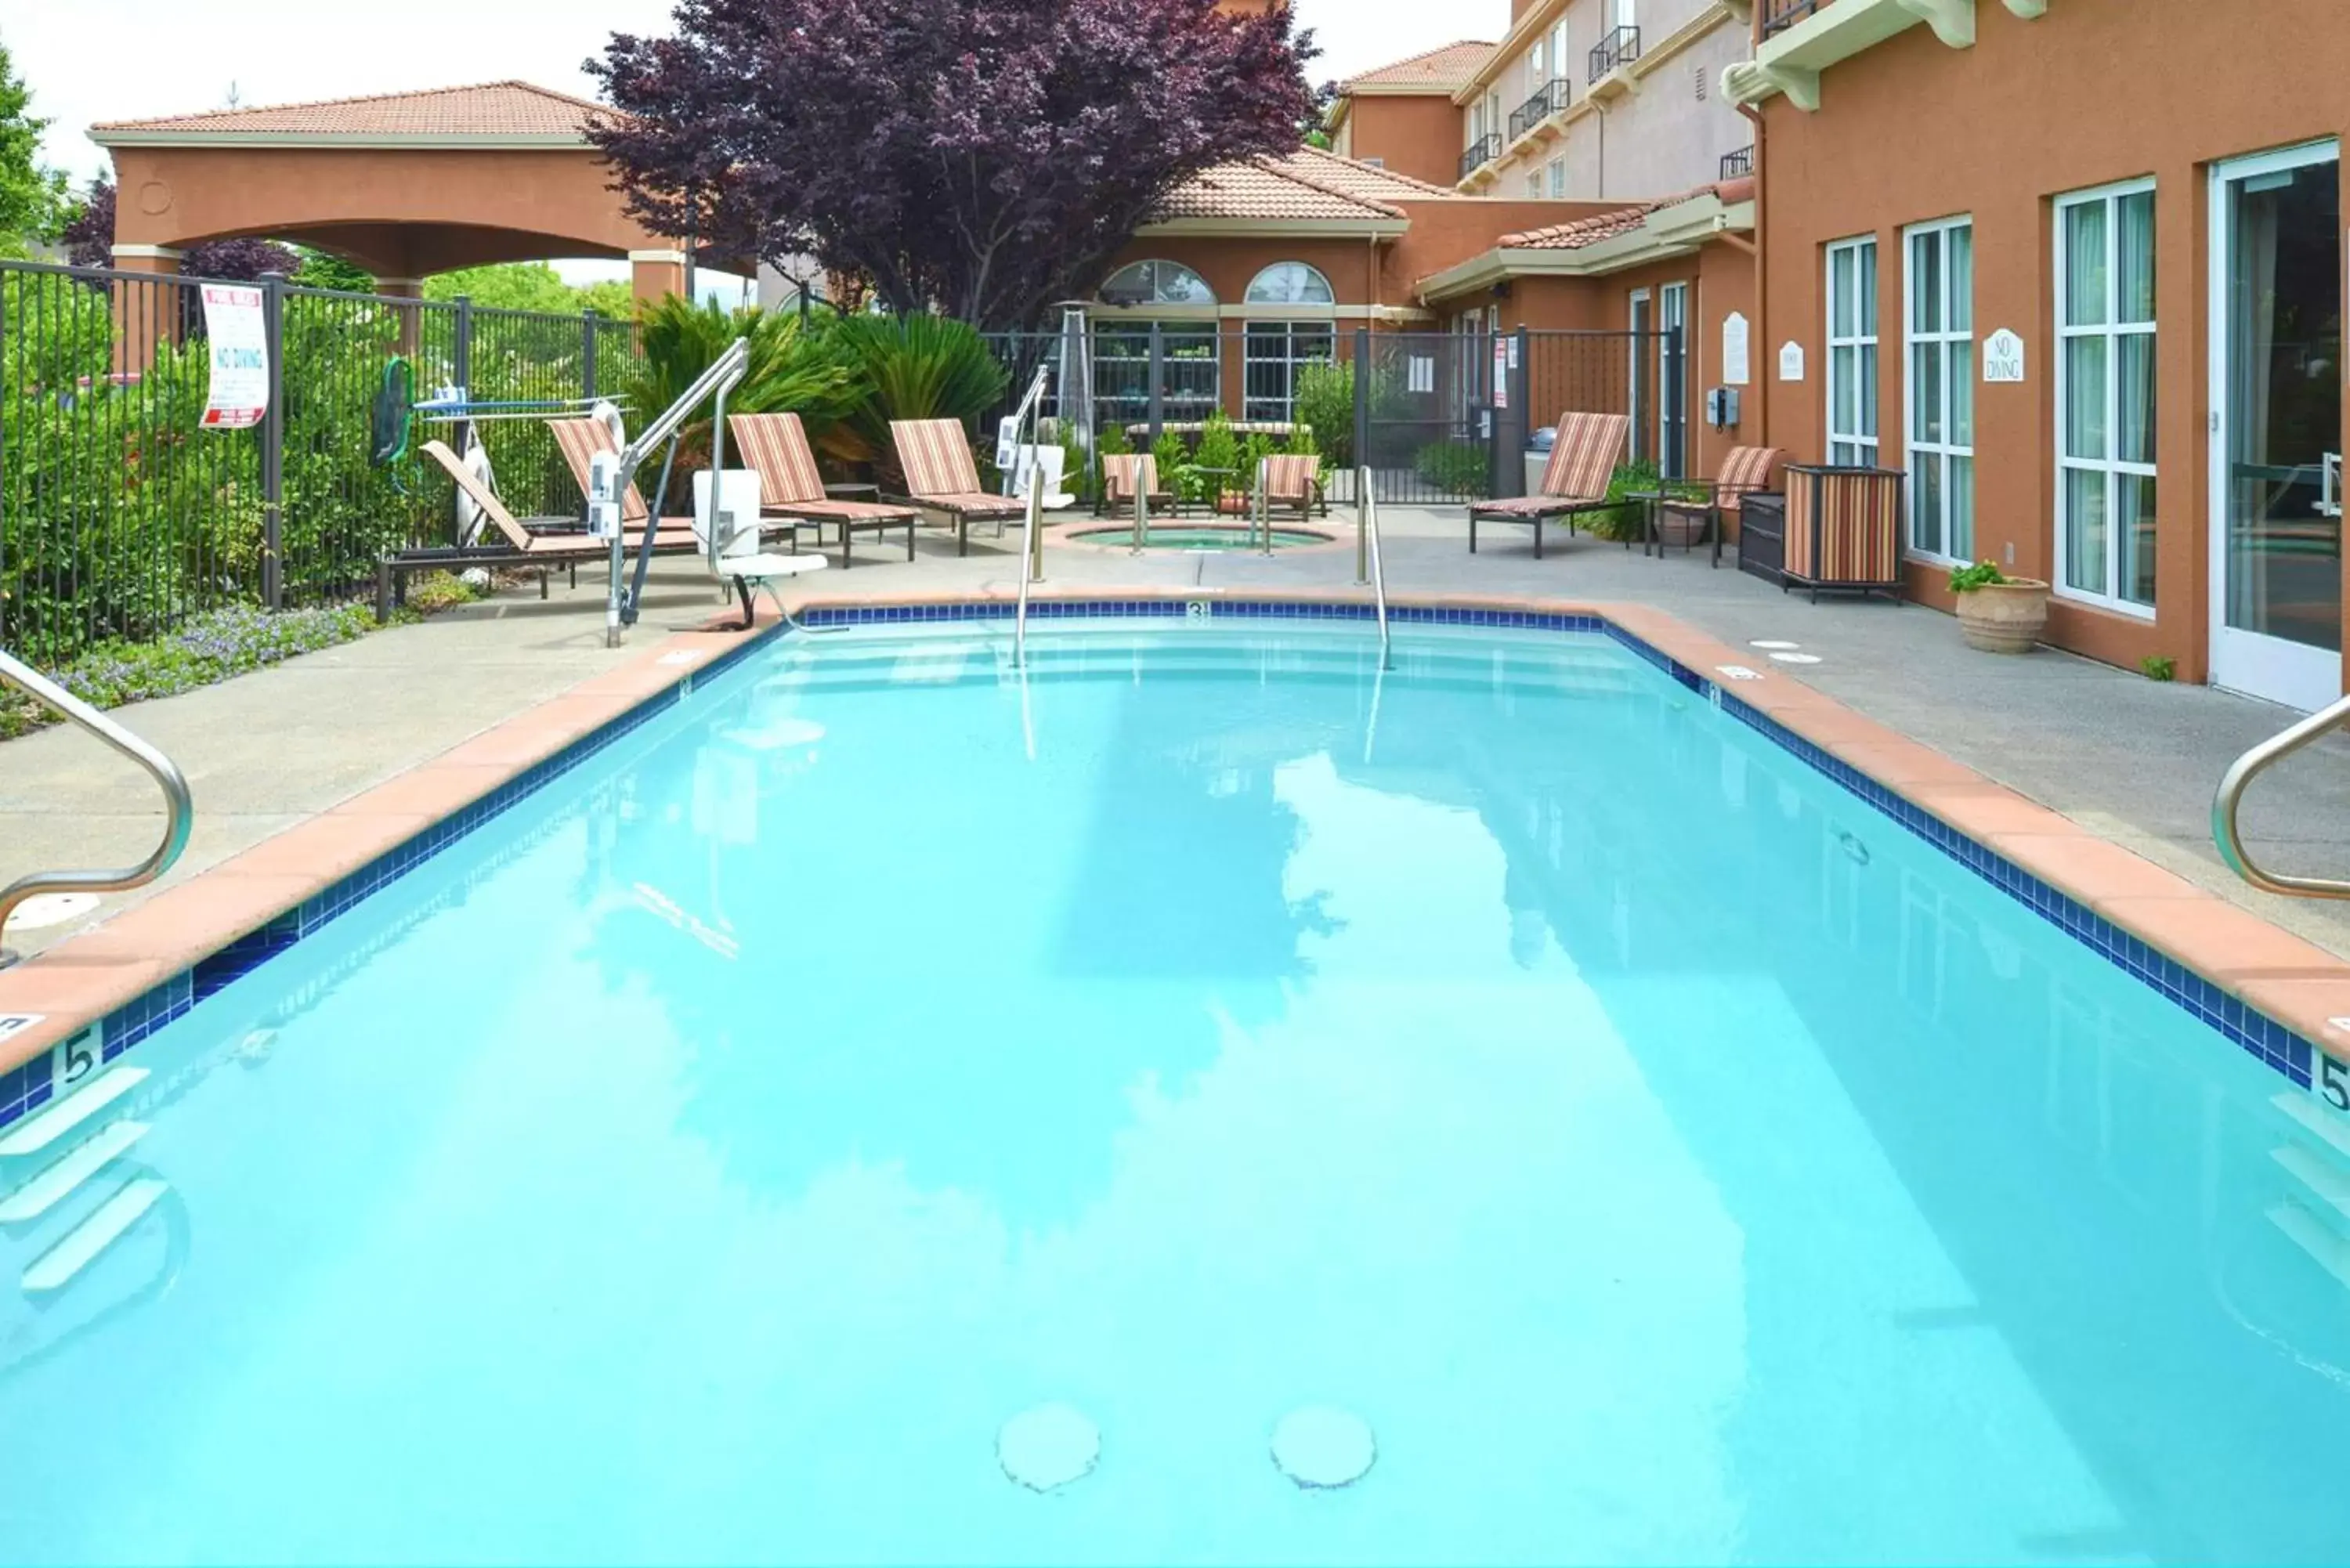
x: 1032, y: 563
x: 1368, y: 568
x: 166, y: 772
x: 2230, y: 798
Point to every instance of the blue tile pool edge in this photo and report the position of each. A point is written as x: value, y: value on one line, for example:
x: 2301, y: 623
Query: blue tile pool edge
x: 25, y: 1088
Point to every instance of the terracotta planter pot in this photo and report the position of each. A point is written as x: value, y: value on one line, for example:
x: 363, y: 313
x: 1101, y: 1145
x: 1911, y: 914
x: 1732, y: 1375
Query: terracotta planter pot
x: 2004, y: 617
x: 1680, y: 530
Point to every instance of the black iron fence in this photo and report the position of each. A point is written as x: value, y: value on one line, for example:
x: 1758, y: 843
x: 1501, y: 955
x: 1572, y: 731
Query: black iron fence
x: 1778, y: 16
x: 1481, y: 151
x: 1552, y: 97
x: 121, y: 515
x: 1439, y: 416
x: 1738, y: 165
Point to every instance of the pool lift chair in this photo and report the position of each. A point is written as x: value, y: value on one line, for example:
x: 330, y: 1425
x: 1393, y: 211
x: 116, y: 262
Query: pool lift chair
x: 725, y: 515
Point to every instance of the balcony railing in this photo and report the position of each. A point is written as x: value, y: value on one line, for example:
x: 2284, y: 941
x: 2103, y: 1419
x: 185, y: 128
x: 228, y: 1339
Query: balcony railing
x: 1778, y: 16
x: 1618, y: 47
x: 1481, y: 151
x: 1550, y: 100
x: 1738, y: 165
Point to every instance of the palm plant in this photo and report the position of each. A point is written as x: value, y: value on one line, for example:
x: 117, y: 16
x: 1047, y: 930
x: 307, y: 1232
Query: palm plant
x: 793, y: 368
x: 910, y: 367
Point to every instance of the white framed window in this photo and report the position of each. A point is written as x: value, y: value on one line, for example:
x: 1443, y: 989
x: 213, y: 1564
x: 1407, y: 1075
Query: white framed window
x: 2105, y: 396
x: 1375, y: 162
x: 1535, y: 73
x: 1290, y: 283
x: 1558, y: 51
x: 1533, y: 185
x: 1274, y: 351
x: 1641, y: 316
x: 1673, y: 380
x: 1937, y: 390
x: 1157, y: 283
x: 1628, y: 13
x: 1558, y: 178
x: 1852, y: 352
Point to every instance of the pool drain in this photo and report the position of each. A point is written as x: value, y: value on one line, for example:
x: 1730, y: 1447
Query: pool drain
x: 1319, y: 1448
x: 1048, y: 1446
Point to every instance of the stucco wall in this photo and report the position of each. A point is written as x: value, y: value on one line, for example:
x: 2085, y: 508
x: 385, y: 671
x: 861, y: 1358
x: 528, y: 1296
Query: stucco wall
x: 2096, y: 91
x: 400, y: 212
x: 1417, y: 135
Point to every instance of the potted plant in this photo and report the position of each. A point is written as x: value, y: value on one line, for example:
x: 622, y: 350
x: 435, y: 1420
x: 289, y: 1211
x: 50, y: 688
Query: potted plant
x: 1997, y: 613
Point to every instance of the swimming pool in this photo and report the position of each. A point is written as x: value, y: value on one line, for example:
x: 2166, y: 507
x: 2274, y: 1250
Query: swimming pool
x: 1667, y: 1156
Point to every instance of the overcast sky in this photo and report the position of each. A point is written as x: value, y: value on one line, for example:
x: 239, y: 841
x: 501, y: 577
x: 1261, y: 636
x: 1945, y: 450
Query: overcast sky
x: 90, y: 60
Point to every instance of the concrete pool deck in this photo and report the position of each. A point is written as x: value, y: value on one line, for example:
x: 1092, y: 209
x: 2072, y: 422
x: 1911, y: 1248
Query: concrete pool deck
x: 2133, y: 761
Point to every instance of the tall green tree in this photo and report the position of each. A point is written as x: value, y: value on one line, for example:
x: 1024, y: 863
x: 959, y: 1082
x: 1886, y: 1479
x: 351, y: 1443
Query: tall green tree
x: 33, y: 199
x: 528, y: 286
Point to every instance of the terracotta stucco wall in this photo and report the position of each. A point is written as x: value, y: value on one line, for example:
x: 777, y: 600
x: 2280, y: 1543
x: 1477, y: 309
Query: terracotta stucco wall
x: 2095, y: 92
x: 399, y: 212
x: 1418, y: 135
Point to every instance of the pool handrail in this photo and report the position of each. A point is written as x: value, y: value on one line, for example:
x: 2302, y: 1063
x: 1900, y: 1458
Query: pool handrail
x: 1032, y: 563
x: 625, y: 595
x: 1366, y: 544
x: 180, y: 803
x: 2229, y: 799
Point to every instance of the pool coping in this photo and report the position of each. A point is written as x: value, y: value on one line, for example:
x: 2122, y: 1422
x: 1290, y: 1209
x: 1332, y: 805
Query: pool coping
x: 2276, y: 995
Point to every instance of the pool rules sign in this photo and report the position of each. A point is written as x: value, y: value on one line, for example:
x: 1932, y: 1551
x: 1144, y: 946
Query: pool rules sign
x: 239, y: 336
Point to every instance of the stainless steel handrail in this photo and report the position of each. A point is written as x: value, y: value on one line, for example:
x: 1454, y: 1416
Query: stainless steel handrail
x: 2229, y: 799
x: 1032, y: 563
x: 166, y: 772
x: 1367, y: 542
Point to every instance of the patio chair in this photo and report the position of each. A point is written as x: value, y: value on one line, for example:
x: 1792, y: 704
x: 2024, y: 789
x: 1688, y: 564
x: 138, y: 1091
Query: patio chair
x: 1128, y: 474
x: 1747, y: 470
x: 1293, y: 483
x: 776, y: 446
x: 942, y: 477
x: 516, y: 547
x: 579, y: 440
x: 1582, y: 462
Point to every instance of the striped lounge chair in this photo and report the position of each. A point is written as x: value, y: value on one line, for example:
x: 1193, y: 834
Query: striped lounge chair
x: 1126, y: 475
x: 579, y: 440
x: 509, y: 544
x: 1746, y: 470
x: 1294, y: 483
x: 776, y: 446
x: 1582, y: 462
x: 1843, y: 530
x: 942, y: 477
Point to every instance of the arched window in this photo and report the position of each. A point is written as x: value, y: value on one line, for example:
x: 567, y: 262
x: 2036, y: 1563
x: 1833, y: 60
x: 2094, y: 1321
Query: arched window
x: 1157, y: 283
x: 1291, y: 283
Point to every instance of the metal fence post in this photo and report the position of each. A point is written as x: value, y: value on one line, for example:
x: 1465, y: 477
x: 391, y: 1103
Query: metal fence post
x: 273, y: 444
x: 461, y: 435
x: 587, y: 355
x: 1512, y: 424
x: 1158, y: 383
x: 1362, y: 453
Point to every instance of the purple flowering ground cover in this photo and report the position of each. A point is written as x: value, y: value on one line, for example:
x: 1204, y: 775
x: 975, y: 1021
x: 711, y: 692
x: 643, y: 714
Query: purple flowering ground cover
x: 210, y: 647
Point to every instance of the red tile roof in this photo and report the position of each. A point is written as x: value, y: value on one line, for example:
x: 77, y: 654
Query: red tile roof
x: 1446, y: 70
x: 1583, y: 232
x: 1305, y: 185
x: 491, y: 111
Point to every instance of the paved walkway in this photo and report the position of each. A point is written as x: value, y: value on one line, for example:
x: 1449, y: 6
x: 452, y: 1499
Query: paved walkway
x: 2133, y: 760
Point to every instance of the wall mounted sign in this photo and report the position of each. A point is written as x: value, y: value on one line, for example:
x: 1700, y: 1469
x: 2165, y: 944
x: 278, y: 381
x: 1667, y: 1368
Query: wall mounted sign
x: 239, y: 358
x: 1790, y: 361
x: 1501, y: 371
x: 2003, y: 354
x: 1737, y: 367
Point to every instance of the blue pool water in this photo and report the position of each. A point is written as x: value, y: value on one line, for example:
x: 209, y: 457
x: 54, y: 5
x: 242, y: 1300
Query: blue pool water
x: 1666, y: 1155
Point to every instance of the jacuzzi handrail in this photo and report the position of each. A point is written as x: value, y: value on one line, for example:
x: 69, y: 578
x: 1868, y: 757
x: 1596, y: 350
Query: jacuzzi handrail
x: 166, y: 772
x: 1368, y: 548
x: 2229, y: 799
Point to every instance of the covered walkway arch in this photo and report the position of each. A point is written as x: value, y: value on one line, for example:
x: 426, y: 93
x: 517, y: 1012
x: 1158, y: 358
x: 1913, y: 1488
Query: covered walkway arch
x: 402, y: 184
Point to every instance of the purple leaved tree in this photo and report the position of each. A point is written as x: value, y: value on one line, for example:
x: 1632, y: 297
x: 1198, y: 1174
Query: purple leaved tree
x: 986, y: 158
x: 89, y: 242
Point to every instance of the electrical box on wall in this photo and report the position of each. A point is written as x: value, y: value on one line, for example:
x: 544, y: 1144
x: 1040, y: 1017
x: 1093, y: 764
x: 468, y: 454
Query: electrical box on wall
x: 1721, y: 407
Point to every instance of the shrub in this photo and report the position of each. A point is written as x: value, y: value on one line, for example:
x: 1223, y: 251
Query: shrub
x: 1627, y: 522
x: 804, y: 369
x: 909, y: 368
x: 1218, y: 448
x: 1458, y: 468
x: 1981, y: 575
x: 1325, y: 411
